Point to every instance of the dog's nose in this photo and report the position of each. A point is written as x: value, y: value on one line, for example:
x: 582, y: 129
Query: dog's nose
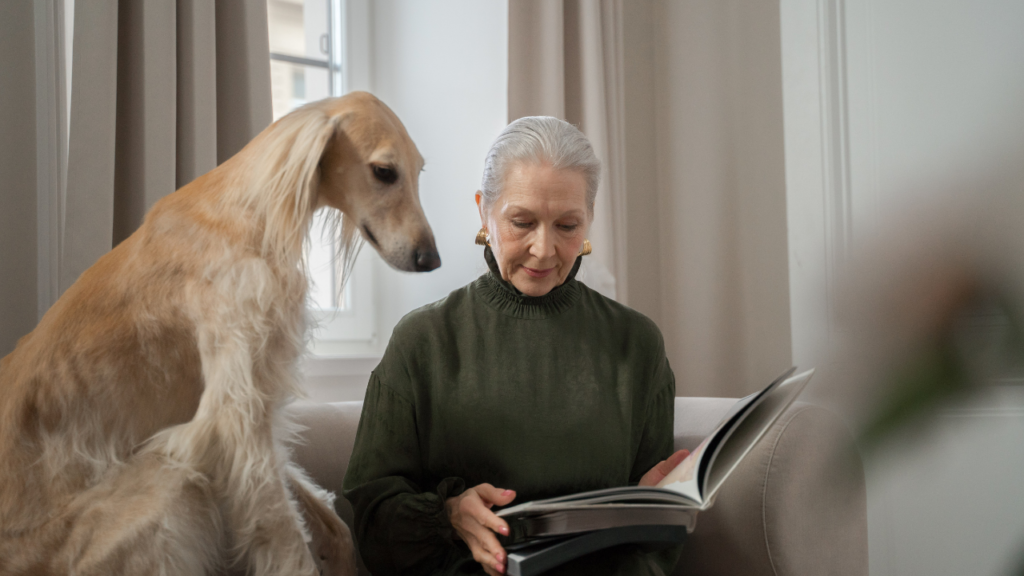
x: 427, y: 260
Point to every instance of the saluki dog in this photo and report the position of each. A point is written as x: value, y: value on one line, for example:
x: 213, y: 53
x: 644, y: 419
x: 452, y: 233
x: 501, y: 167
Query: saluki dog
x: 142, y: 428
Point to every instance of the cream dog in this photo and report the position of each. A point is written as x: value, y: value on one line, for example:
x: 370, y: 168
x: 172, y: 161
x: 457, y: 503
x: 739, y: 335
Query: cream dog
x: 141, y: 425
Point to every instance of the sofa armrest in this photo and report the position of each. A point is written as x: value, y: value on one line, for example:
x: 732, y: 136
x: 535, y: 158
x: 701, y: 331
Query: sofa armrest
x: 795, y: 505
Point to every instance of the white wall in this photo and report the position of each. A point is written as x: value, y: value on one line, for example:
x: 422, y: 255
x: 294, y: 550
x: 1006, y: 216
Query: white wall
x: 891, y: 108
x: 936, y: 92
x: 935, y: 104
x: 948, y: 502
x: 442, y: 66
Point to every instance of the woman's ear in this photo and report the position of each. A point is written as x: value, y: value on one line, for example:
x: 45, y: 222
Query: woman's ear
x: 479, y: 196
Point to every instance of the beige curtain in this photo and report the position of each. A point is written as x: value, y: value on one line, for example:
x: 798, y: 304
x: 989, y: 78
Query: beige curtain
x: 162, y: 91
x: 694, y: 126
x: 17, y: 173
x: 566, y: 60
x: 715, y: 110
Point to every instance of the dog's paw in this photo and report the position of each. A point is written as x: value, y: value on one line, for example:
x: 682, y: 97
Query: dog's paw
x: 335, y: 552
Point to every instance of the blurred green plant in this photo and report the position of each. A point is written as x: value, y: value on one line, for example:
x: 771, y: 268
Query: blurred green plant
x: 981, y: 342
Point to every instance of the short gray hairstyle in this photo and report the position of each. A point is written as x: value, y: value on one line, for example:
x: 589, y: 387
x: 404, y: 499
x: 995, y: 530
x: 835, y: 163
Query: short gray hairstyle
x: 540, y: 140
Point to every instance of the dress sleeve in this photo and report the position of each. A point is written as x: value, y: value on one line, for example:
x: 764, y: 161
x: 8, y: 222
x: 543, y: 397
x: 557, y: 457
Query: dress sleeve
x: 656, y: 438
x: 401, y: 527
x: 656, y: 444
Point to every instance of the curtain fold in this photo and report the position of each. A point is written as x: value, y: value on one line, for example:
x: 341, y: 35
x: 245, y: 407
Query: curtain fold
x: 566, y: 60
x: 18, y: 178
x: 162, y: 91
x: 146, y: 114
x: 89, y: 198
x: 244, y: 106
x: 196, y: 136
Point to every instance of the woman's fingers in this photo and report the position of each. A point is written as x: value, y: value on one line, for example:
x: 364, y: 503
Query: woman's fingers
x: 495, y: 496
x: 490, y: 520
x: 490, y: 563
x: 489, y: 541
x: 669, y: 464
x: 474, y: 507
x: 476, y: 524
x: 489, y: 496
x: 487, y: 551
x: 494, y: 554
x: 497, y: 524
x: 661, y: 469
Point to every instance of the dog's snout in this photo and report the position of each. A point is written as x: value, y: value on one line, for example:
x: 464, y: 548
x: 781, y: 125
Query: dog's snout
x: 427, y: 259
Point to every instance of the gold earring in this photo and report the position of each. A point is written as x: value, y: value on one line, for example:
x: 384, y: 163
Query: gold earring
x: 585, y: 249
x: 481, y: 238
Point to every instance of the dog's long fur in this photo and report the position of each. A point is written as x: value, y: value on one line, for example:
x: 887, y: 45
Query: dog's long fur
x: 141, y: 423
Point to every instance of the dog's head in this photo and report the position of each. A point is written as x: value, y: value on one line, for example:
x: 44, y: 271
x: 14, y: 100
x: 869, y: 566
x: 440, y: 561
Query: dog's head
x: 370, y: 171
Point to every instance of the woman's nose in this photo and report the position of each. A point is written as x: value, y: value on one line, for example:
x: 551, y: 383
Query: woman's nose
x: 543, y: 244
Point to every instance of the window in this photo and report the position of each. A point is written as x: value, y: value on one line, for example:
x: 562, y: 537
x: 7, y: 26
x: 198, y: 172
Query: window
x: 306, y: 64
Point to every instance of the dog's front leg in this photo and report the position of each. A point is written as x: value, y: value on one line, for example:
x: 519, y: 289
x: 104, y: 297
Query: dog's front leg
x: 331, y: 540
x: 231, y: 440
x: 238, y: 451
x: 231, y: 437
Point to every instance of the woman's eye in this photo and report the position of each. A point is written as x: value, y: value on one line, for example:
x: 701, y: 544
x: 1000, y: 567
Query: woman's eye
x: 569, y: 227
x: 520, y: 224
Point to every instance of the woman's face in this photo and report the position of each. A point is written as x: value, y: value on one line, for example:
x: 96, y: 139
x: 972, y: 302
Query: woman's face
x: 537, y: 225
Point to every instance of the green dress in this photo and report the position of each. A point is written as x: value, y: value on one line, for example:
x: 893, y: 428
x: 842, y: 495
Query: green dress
x: 548, y: 395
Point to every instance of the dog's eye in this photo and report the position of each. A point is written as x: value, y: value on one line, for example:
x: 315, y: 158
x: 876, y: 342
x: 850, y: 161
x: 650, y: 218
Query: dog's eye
x: 385, y: 174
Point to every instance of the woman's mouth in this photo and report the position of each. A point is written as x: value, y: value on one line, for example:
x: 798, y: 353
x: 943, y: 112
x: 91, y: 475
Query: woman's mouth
x: 538, y: 273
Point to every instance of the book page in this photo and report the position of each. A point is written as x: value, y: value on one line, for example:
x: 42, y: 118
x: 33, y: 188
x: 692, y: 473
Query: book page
x: 625, y: 494
x: 750, y: 403
x: 688, y: 477
x: 683, y: 478
x: 750, y: 430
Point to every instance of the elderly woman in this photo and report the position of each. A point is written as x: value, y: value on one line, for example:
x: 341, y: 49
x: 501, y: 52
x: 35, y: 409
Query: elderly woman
x: 524, y: 384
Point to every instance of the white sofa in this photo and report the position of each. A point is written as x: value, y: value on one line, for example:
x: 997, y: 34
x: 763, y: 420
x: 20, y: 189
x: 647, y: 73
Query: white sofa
x: 795, y: 506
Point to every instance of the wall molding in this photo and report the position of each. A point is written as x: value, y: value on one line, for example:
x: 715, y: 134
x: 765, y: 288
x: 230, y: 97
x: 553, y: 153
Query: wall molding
x: 819, y: 190
x: 835, y: 144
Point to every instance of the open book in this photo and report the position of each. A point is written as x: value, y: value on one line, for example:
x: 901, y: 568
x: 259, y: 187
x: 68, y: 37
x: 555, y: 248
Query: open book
x: 688, y: 488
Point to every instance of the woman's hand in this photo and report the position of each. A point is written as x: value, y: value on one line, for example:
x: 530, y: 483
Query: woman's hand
x: 471, y: 517
x: 661, y: 469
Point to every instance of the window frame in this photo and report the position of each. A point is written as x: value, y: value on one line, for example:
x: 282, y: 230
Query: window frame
x: 349, y: 327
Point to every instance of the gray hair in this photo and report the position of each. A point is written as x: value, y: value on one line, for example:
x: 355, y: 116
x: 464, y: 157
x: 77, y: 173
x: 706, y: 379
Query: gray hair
x: 540, y: 140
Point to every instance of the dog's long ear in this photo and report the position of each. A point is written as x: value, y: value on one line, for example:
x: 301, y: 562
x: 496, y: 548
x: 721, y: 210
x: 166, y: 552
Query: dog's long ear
x: 340, y: 155
x: 286, y: 175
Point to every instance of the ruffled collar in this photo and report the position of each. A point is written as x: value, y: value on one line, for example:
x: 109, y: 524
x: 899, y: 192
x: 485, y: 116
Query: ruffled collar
x: 507, y: 299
